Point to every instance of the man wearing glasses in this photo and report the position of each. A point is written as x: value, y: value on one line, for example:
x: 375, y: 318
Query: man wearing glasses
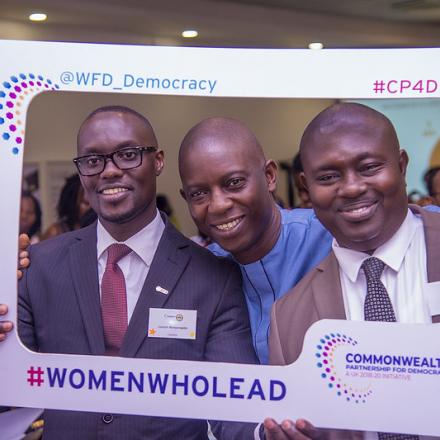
x: 93, y: 291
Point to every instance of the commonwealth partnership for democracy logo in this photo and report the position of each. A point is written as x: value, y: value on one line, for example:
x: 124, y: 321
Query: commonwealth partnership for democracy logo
x: 350, y: 373
x: 337, y: 381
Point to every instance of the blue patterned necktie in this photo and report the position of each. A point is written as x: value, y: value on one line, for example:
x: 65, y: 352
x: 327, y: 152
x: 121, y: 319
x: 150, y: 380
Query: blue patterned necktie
x: 378, y: 307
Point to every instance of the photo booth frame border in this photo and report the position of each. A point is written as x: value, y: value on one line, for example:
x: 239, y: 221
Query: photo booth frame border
x: 31, y: 68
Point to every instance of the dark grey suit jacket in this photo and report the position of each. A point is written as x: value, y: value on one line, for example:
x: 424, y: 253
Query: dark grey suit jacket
x: 319, y: 296
x: 59, y: 312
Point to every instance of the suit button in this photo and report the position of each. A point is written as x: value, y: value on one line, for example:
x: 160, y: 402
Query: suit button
x: 107, y: 418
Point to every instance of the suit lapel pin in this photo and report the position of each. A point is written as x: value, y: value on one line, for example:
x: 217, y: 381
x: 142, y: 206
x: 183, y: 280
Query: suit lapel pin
x: 161, y: 290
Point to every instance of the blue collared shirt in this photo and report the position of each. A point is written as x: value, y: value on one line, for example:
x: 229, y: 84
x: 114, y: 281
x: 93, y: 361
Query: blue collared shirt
x: 302, y: 244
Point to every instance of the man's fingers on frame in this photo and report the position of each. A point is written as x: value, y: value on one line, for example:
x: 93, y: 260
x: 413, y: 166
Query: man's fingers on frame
x: 3, y: 309
x: 23, y: 254
x: 290, y: 431
x: 23, y: 241
x: 5, y: 327
x: 19, y: 274
x: 309, y: 430
x: 24, y: 263
x: 274, y: 431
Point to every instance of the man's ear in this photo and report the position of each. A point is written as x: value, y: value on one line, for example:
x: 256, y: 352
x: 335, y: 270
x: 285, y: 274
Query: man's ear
x: 303, y: 180
x: 182, y: 193
x: 403, y: 162
x: 159, y: 161
x: 271, y: 173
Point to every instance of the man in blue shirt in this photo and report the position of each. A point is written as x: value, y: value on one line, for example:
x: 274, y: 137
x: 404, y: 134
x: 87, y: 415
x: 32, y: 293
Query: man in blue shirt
x: 229, y: 186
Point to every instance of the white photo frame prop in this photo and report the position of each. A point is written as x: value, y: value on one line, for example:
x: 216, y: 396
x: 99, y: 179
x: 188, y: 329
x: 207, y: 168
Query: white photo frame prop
x: 372, y: 366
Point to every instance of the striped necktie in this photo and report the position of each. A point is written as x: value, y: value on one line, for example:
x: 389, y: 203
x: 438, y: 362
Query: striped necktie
x: 114, y: 299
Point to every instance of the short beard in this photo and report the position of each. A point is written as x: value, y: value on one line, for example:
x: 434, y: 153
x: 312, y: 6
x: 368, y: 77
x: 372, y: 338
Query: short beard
x: 121, y: 218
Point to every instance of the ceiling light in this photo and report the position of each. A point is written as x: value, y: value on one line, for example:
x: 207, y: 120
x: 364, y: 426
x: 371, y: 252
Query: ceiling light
x: 316, y: 46
x: 190, y: 33
x: 37, y: 17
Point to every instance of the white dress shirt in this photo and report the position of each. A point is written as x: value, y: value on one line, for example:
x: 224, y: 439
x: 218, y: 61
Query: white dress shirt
x: 136, y: 264
x: 404, y: 277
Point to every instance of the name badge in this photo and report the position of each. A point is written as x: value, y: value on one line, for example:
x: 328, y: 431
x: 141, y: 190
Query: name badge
x: 172, y: 323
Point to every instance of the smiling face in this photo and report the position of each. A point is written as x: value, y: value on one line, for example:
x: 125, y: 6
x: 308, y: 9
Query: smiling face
x: 355, y: 175
x: 228, y: 186
x: 124, y: 200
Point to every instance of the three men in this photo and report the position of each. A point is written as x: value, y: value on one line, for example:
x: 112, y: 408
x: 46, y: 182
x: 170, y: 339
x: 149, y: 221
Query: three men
x: 383, y: 254
x: 92, y: 291
x: 228, y: 184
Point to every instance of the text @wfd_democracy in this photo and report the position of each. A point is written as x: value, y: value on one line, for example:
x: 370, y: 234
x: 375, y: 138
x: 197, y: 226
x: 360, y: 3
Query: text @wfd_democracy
x: 166, y: 384
x: 131, y: 81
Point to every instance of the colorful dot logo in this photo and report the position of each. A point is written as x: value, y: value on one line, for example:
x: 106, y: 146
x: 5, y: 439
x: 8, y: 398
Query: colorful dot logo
x: 13, y: 92
x: 325, y: 354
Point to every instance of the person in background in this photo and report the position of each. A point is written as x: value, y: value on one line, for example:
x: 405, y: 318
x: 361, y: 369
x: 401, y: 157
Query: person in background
x: 417, y: 198
x: 432, y: 181
x: 73, y: 209
x: 30, y: 217
x: 164, y: 205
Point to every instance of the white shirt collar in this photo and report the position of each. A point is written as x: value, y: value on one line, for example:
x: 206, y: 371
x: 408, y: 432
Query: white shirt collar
x: 144, y: 243
x: 391, y: 253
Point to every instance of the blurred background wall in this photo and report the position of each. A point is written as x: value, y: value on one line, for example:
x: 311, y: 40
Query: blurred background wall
x: 53, y: 120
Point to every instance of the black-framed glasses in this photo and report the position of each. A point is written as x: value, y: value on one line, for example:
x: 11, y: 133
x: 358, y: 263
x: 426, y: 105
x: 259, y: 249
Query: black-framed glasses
x: 124, y: 159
